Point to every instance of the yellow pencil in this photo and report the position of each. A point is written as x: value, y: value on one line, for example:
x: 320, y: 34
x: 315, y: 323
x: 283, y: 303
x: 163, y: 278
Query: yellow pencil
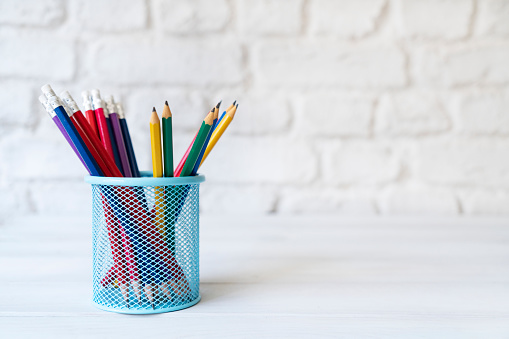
x: 157, y: 168
x: 218, y: 132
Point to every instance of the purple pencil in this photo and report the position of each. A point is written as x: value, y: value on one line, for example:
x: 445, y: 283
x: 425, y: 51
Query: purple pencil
x: 57, y: 122
x: 117, y: 131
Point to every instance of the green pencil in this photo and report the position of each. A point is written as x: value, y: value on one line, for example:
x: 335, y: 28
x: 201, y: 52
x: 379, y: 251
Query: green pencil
x: 167, y: 141
x: 198, y: 144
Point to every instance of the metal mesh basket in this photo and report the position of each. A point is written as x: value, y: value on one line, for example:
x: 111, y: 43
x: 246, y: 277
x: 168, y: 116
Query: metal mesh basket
x: 145, y: 242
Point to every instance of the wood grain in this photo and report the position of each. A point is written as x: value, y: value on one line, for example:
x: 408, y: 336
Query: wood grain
x: 301, y: 277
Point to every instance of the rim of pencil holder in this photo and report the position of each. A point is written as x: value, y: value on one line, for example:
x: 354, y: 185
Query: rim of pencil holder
x: 146, y: 179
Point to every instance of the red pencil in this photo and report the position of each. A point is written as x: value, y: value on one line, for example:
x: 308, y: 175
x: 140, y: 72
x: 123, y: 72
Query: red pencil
x: 180, y: 166
x: 101, y: 122
x: 111, y: 168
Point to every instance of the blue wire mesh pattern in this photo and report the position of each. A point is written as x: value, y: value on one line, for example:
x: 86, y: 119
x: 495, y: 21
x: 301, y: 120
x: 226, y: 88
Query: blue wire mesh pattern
x: 146, y: 248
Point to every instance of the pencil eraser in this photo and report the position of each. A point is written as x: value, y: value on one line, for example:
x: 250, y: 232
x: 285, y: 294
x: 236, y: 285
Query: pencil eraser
x: 85, y: 95
x: 120, y: 110
x: 95, y: 93
x: 46, y: 88
x: 43, y: 99
x: 65, y: 94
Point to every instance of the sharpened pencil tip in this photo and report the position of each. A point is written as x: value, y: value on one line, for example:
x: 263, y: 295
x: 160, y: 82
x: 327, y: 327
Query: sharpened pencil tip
x: 237, y: 106
x: 153, y: 109
x: 219, y: 104
x: 234, y: 102
x: 166, y: 102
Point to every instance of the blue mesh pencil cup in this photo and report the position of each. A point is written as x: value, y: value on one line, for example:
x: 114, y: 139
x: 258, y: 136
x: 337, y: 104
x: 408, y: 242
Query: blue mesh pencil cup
x: 145, y: 243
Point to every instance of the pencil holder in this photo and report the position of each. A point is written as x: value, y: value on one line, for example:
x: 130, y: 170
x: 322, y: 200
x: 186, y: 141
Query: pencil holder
x: 145, y: 243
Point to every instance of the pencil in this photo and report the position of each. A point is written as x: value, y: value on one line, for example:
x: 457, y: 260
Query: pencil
x: 222, y: 115
x: 91, y: 135
x: 128, y: 142
x: 198, y: 144
x: 58, y: 108
x: 102, y: 126
x: 119, y: 138
x: 167, y: 140
x: 89, y: 112
x: 57, y: 122
x: 219, y: 131
x: 200, y: 156
x: 157, y: 168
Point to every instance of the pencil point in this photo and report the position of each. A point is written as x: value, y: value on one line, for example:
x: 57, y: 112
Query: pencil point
x: 237, y: 106
x: 153, y: 109
x: 234, y: 102
x: 166, y: 102
x: 219, y: 104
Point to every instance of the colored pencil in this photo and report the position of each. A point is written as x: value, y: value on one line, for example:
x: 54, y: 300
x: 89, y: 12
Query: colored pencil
x: 182, y: 161
x: 89, y: 112
x: 102, y: 125
x: 128, y: 142
x: 58, y: 108
x: 198, y: 144
x: 219, y: 131
x: 117, y: 131
x: 167, y: 140
x: 200, y: 156
x: 91, y: 135
x: 222, y: 115
x: 57, y: 122
x: 157, y: 169
x: 113, y: 141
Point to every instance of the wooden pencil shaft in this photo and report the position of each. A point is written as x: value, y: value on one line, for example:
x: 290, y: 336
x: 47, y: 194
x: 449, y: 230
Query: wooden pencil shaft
x: 122, y: 152
x: 195, y: 150
x: 168, y: 146
x: 155, y: 142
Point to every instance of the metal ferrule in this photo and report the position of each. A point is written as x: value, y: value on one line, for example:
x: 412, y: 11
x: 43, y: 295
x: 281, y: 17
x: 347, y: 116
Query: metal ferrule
x: 87, y: 103
x: 120, y: 110
x: 110, y: 104
x: 68, y: 99
x: 47, y: 106
x: 96, y: 99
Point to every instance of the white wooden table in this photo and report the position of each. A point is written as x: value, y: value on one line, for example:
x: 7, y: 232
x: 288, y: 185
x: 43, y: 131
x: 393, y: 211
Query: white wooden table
x: 307, y: 277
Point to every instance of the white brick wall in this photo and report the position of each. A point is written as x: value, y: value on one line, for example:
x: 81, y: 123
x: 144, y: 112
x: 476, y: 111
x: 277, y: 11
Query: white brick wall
x: 346, y: 107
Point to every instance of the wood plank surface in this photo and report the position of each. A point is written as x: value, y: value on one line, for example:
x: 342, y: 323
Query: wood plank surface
x: 298, y: 277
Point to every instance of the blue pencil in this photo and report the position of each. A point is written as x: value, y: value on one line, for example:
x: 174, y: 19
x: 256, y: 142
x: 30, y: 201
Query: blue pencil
x: 128, y: 142
x: 222, y: 116
x: 82, y: 149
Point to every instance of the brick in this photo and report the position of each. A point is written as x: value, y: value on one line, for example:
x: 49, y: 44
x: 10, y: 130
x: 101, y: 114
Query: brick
x: 43, y: 58
x: 325, y: 200
x: 27, y: 157
x: 238, y: 199
x: 359, y: 162
x: 267, y: 17
x: 418, y: 200
x: 462, y: 65
x: 260, y: 113
x: 316, y: 64
x: 335, y: 115
x: 109, y: 16
x: 37, y: 13
x: 484, y: 202
x: 483, y: 113
x: 15, y: 100
x: 493, y: 18
x: 347, y: 19
x: 74, y: 198
x: 192, y: 16
x: 411, y: 113
x: 125, y: 62
x: 434, y: 19
x: 468, y: 162
x: 261, y: 160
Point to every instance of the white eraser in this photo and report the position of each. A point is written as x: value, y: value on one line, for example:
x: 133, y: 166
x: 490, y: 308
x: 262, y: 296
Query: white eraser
x: 46, y: 88
x: 66, y: 94
x: 95, y: 93
x: 43, y: 99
